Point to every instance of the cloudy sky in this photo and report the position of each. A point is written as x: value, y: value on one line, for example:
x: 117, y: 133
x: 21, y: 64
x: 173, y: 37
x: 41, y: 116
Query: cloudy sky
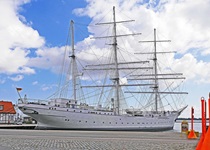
x: 33, y: 36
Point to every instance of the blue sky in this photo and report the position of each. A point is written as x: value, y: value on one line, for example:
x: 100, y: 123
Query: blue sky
x: 53, y: 16
x: 31, y: 31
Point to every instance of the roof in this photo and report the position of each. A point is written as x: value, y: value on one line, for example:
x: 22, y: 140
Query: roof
x: 7, y: 108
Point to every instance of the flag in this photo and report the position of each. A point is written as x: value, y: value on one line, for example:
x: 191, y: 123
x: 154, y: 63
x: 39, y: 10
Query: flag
x: 18, y: 89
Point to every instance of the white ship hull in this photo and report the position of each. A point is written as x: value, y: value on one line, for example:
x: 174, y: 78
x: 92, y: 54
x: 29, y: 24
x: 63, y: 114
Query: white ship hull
x: 68, y: 118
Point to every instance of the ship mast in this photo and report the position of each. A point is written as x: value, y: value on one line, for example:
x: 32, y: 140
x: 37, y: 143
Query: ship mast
x: 155, y: 76
x: 116, y: 65
x: 73, y: 61
x: 156, y: 87
x: 155, y: 68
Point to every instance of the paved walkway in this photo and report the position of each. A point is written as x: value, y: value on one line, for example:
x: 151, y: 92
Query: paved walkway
x: 93, y: 140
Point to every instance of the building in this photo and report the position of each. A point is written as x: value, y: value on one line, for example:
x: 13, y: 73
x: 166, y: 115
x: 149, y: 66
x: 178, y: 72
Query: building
x: 7, y: 112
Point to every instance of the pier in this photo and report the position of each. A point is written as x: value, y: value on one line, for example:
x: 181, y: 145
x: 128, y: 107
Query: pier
x: 14, y: 126
x: 90, y: 140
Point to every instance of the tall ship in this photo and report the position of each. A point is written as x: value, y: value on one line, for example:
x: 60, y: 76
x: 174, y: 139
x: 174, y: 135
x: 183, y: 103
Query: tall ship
x: 112, y: 88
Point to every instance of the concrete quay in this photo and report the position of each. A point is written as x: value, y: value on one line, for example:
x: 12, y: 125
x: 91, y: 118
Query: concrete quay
x: 14, y: 126
x: 12, y: 139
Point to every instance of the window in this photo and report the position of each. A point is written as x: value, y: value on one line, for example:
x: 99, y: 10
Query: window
x: 1, y: 107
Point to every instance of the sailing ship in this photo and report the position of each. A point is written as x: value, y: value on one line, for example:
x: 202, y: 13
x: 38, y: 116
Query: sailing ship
x: 110, y: 96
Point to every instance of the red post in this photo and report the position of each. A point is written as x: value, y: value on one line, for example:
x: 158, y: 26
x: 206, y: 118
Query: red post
x: 192, y: 134
x: 192, y: 117
x: 209, y: 109
x: 203, y: 115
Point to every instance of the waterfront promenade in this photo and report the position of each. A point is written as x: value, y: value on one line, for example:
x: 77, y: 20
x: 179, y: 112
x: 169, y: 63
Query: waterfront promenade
x: 12, y: 139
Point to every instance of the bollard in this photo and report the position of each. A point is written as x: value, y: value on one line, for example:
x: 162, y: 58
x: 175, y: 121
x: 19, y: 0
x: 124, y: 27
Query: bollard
x: 184, y: 126
x: 204, y: 143
x: 192, y: 134
x: 206, y: 140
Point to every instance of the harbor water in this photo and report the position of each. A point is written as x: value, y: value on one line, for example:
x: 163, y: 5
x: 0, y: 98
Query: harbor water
x: 197, y: 127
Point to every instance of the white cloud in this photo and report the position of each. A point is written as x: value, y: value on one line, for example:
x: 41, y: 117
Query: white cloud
x: 2, y: 81
x: 17, y: 78
x: 48, y: 87
x: 48, y: 58
x: 185, y: 23
x: 16, y: 38
x: 45, y: 88
x: 123, y: 81
x: 35, y: 83
x: 192, y: 68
